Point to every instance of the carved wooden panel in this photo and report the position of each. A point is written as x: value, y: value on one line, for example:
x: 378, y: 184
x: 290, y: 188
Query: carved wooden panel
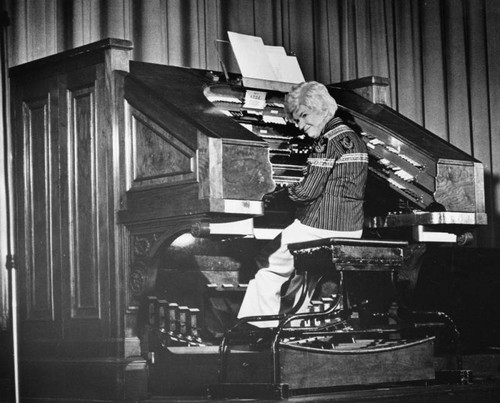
x: 245, y: 172
x: 142, y: 273
x: 158, y: 157
x: 456, y: 186
x: 38, y: 209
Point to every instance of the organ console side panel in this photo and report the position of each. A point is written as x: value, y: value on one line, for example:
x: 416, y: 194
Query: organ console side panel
x: 71, y: 333
x: 187, y: 157
x: 159, y: 156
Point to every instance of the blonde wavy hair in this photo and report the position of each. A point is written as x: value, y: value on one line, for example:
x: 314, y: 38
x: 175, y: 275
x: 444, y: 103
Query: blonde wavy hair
x: 311, y: 94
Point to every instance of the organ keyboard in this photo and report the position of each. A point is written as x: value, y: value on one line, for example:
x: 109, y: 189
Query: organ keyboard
x: 417, y: 178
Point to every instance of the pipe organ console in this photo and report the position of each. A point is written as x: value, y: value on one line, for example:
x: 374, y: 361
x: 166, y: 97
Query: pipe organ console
x: 421, y: 189
x: 172, y: 165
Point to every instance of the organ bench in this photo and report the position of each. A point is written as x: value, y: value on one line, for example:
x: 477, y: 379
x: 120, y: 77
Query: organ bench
x: 345, y: 341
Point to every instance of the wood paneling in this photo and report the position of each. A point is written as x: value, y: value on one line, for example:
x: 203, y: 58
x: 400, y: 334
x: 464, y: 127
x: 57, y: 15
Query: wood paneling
x: 83, y: 168
x: 85, y: 197
x: 37, y: 179
x: 38, y: 228
x: 71, y: 256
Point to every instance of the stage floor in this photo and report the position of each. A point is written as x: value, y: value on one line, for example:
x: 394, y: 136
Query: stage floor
x: 483, y: 388
x: 484, y: 391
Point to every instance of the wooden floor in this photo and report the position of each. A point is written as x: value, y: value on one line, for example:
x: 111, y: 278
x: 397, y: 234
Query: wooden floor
x: 483, y: 388
x: 483, y: 391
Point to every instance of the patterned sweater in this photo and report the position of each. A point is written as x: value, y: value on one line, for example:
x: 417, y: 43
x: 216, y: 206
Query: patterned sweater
x: 331, y: 194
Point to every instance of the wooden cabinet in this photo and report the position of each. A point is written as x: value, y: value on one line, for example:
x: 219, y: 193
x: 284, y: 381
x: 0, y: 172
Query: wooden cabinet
x: 70, y: 250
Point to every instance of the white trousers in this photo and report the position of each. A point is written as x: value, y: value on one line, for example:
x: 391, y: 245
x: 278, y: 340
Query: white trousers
x: 263, y: 296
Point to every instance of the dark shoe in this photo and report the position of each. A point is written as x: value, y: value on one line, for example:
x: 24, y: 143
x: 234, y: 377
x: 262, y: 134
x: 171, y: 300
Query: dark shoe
x: 247, y: 326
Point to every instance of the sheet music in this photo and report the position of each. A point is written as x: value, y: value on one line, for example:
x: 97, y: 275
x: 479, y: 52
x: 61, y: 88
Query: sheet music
x: 264, y: 62
x: 286, y: 68
x: 251, y: 56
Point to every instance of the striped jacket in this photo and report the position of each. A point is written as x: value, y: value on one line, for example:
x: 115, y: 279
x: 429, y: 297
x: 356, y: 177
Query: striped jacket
x: 331, y: 194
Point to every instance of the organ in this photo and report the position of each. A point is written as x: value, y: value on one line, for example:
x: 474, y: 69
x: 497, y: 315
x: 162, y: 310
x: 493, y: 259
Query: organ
x: 421, y: 189
x: 171, y: 165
